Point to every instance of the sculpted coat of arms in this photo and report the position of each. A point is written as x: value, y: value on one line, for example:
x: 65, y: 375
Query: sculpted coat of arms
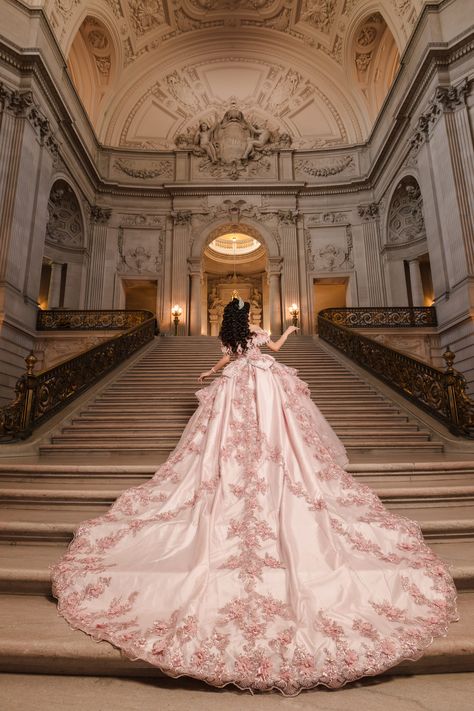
x: 231, y: 144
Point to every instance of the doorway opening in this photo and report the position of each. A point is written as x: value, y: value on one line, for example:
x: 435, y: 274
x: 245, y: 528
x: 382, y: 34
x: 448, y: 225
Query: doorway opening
x: 330, y: 292
x: 140, y: 294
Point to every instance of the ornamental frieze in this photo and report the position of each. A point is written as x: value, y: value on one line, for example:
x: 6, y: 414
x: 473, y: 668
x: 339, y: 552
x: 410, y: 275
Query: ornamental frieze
x: 148, y: 171
x: 324, y: 167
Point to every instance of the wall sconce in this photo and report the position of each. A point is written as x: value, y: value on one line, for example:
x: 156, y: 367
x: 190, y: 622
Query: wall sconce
x: 294, y: 313
x: 176, y: 312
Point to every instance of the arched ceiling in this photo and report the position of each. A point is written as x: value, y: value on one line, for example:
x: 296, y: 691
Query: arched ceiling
x: 293, y: 65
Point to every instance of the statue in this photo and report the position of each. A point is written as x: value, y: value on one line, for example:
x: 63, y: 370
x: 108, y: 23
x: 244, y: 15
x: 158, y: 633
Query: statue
x: 204, y: 138
x: 256, y: 141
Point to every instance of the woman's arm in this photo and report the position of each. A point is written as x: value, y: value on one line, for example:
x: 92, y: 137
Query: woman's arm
x: 220, y: 364
x: 276, y: 345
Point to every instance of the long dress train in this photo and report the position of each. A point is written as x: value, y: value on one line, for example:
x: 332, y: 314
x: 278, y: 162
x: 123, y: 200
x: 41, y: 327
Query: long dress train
x: 251, y: 556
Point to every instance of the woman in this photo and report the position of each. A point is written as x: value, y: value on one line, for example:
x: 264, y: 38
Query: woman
x: 252, y: 557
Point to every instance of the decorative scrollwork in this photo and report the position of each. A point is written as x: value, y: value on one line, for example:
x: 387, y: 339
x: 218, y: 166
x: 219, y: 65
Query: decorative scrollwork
x: 382, y: 316
x: 90, y: 320
x: 442, y: 394
x: 41, y: 395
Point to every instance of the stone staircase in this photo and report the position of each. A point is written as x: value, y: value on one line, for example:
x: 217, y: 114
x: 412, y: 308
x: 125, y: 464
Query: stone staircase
x: 128, y: 427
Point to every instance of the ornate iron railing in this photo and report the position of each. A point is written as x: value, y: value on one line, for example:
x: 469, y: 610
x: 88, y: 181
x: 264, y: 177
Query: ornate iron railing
x: 441, y: 393
x: 383, y: 317
x: 88, y: 320
x: 41, y: 395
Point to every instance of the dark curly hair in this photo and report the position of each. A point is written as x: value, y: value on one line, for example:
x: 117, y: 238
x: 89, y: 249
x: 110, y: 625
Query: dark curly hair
x: 235, y: 331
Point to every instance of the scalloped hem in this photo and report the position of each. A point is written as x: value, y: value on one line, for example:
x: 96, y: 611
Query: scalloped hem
x: 417, y: 654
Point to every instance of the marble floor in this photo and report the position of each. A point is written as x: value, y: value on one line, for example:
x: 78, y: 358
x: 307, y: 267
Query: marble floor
x: 430, y: 692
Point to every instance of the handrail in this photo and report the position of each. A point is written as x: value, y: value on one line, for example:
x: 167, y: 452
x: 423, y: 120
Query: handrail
x: 440, y: 393
x: 41, y: 395
x: 89, y: 319
x: 383, y: 316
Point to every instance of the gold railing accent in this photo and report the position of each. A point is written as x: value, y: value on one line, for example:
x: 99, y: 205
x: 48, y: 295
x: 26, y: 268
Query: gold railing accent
x: 41, y: 395
x: 89, y: 319
x: 383, y: 316
x: 441, y: 393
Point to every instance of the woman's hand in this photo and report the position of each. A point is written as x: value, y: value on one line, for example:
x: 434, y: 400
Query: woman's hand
x: 205, y: 374
x: 290, y: 329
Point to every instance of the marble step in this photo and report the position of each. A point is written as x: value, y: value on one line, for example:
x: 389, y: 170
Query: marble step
x: 449, y: 472
x: 22, y: 495
x: 145, y: 434
x: 362, y: 446
x: 24, y: 567
x: 58, y: 649
x: 152, y: 426
x: 438, y: 522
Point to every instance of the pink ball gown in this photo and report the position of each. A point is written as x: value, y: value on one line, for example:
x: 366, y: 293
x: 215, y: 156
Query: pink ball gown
x: 252, y: 557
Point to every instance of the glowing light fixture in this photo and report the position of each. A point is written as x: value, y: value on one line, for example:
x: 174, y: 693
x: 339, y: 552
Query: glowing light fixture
x: 294, y: 313
x: 176, y: 312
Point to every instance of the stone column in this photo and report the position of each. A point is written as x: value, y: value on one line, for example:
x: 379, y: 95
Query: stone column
x: 28, y: 151
x: 273, y: 280
x: 416, y: 284
x: 369, y: 215
x: 179, y: 272
x: 55, y: 285
x: 290, y: 275
x: 443, y: 150
x: 305, y: 318
x: 99, y: 219
x: 195, y: 297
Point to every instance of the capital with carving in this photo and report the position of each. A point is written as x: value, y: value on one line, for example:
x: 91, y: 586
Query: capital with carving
x: 368, y: 212
x: 100, y: 215
x: 452, y: 97
x: 182, y: 217
x: 274, y: 266
x: 288, y: 217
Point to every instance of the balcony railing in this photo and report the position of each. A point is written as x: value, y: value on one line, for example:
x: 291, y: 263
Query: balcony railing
x: 383, y: 317
x: 440, y: 393
x: 41, y: 395
x: 90, y: 320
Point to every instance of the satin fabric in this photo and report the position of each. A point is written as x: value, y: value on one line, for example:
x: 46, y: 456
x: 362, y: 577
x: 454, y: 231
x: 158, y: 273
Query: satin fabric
x: 251, y: 556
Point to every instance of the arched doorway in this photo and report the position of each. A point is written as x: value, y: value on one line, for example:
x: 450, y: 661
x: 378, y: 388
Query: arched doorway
x: 234, y: 259
x: 406, y: 249
x: 62, y: 271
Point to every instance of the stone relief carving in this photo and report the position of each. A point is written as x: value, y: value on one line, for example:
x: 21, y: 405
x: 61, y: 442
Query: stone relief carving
x: 327, y: 218
x: 368, y: 212
x: 446, y: 98
x: 405, y: 217
x: 313, y: 167
x: 329, y: 256
x: 319, y: 14
x: 142, y: 220
x: 182, y: 217
x: 142, y: 255
x: 146, y: 15
x: 234, y: 146
x: 22, y: 105
x: 163, y: 169
x: 267, y: 110
x: 64, y: 225
x: 97, y: 39
x: 100, y: 215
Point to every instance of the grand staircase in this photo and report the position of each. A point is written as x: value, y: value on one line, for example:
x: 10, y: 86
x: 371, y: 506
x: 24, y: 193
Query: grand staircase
x: 128, y: 427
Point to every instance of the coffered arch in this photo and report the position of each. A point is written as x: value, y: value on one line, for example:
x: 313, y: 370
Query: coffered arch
x: 177, y: 87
